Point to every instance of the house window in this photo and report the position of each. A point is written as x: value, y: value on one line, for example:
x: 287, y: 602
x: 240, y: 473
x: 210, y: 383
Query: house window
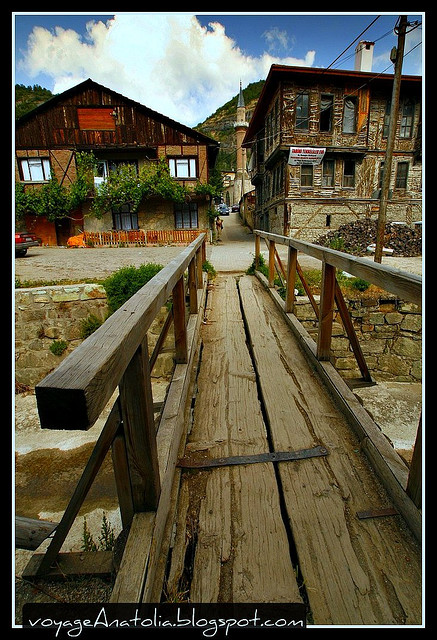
x: 386, y: 119
x: 302, y: 112
x: 350, y: 115
x: 401, y: 175
x: 306, y: 175
x: 123, y: 218
x: 186, y: 216
x: 326, y: 110
x: 328, y: 172
x: 182, y: 167
x: 349, y: 173
x: 104, y: 167
x: 407, y: 119
x: 35, y: 169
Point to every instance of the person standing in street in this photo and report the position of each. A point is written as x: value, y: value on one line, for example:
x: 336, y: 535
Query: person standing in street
x: 218, y: 226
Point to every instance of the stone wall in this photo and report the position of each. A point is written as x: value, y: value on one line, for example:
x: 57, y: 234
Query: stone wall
x: 389, y: 332
x: 46, y: 314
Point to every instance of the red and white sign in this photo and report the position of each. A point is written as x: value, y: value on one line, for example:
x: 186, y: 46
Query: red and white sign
x: 306, y: 155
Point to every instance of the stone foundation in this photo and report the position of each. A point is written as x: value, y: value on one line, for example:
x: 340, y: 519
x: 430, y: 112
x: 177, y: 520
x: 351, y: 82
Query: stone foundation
x: 389, y: 332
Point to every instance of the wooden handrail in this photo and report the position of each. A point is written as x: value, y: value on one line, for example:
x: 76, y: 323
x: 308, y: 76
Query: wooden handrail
x: 406, y: 285
x: 75, y: 393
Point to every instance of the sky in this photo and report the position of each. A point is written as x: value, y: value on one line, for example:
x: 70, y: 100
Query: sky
x: 187, y: 65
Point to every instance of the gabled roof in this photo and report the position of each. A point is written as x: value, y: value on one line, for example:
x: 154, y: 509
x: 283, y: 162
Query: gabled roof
x: 280, y: 73
x: 91, y: 84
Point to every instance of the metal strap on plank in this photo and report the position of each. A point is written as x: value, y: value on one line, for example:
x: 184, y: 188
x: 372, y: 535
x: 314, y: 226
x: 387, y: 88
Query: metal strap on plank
x: 275, y: 456
x: 377, y: 513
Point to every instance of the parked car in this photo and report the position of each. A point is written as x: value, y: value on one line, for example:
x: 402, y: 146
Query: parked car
x: 235, y: 208
x: 223, y: 209
x: 23, y: 241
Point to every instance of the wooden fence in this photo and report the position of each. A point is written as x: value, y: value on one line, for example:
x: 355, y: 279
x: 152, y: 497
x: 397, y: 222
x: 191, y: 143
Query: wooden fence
x: 405, y: 285
x: 140, y: 237
x: 116, y: 356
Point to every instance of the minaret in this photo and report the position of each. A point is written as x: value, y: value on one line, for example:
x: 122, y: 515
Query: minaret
x: 240, y: 130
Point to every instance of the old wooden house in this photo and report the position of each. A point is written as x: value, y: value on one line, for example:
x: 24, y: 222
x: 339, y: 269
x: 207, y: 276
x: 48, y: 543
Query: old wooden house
x: 91, y: 117
x: 317, y: 143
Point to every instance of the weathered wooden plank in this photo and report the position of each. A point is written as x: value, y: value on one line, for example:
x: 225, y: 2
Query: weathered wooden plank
x: 351, y: 334
x: 122, y: 479
x: 29, y: 532
x: 129, y: 583
x: 73, y: 396
x: 73, y: 564
x: 173, y: 426
x: 179, y: 322
x: 346, y: 563
x: 231, y: 519
x: 291, y: 279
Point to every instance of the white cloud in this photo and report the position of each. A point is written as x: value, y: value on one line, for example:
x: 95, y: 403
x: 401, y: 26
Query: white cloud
x: 276, y: 38
x: 168, y: 62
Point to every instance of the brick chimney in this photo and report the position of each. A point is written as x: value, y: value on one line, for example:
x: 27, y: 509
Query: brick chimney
x: 364, y: 55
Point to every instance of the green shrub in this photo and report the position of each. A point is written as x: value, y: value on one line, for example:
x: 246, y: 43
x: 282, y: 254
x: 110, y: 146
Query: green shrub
x: 209, y: 269
x: 58, y: 347
x: 106, y: 537
x: 122, y: 284
x: 361, y: 285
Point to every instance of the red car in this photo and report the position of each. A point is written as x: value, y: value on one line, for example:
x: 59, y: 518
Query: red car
x: 23, y: 241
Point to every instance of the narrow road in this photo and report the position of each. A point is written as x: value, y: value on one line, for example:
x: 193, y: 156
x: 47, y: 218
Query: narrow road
x: 235, y: 250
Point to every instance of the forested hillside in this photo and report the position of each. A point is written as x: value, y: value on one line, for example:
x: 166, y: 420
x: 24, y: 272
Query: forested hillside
x: 220, y: 125
x: 27, y: 98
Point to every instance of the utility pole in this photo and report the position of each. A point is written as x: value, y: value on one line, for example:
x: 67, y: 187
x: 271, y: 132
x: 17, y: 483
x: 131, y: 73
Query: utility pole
x: 394, y: 109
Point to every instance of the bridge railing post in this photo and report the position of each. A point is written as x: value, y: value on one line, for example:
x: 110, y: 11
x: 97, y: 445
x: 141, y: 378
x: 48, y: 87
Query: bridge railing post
x: 272, y: 247
x: 257, y: 250
x: 326, y: 316
x: 179, y: 322
x: 290, y: 279
x: 136, y: 402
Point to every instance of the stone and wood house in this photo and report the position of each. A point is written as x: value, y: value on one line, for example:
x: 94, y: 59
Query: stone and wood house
x: 317, y: 142
x: 117, y: 130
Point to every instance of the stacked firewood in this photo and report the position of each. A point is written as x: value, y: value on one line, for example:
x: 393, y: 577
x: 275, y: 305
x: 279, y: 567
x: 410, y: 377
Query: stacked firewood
x: 359, y: 238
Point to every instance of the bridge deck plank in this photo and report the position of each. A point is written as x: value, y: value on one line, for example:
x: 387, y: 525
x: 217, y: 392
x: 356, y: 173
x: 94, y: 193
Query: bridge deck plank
x: 360, y: 572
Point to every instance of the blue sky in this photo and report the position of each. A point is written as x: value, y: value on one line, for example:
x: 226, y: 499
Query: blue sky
x: 186, y: 66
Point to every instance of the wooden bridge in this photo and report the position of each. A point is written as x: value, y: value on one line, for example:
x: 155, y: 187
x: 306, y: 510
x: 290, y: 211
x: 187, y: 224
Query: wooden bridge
x: 263, y: 478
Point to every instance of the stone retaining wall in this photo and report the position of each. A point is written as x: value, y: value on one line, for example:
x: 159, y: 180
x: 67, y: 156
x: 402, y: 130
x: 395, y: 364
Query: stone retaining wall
x: 389, y: 332
x: 46, y: 314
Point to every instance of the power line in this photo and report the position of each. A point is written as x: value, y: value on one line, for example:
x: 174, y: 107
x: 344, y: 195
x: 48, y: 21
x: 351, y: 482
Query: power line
x: 353, y: 42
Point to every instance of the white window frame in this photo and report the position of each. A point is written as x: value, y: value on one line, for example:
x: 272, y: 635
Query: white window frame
x: 183, y: 168
x: 35, y: 169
